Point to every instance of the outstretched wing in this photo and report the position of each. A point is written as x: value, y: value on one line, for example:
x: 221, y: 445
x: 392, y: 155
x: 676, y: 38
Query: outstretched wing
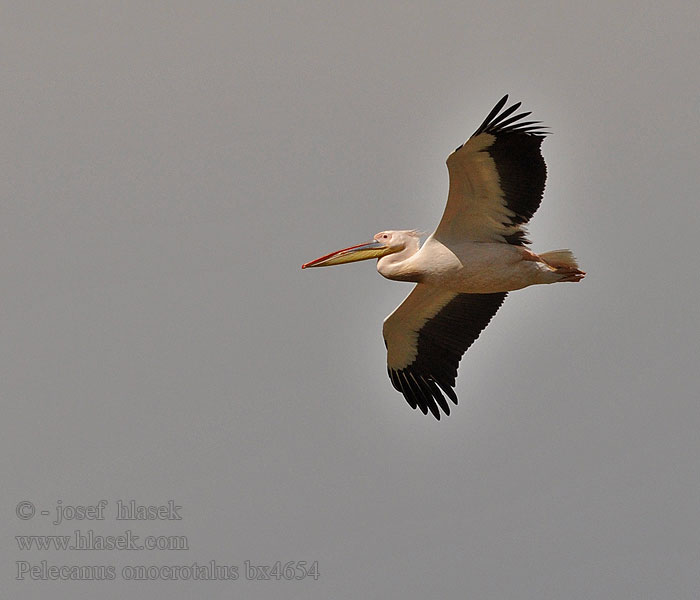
x: 426, y: 337
x: 496, y: 180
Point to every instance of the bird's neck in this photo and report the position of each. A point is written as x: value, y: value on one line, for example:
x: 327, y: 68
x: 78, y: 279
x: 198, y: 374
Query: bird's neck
x: 400, y: 266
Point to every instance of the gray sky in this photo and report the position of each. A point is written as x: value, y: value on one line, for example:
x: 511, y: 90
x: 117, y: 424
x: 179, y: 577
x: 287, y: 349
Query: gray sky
x: 167, y: 169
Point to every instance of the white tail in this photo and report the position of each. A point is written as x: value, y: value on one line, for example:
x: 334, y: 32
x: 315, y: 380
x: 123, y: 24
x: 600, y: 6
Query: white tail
x: 559, y: 259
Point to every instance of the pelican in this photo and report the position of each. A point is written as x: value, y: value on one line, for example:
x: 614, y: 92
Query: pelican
x: 467, y: 266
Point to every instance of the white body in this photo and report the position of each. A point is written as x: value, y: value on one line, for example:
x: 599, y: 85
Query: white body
x: 468, y: 267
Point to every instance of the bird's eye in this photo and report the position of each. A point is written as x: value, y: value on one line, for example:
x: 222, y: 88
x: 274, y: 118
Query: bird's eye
x: 385, y: 236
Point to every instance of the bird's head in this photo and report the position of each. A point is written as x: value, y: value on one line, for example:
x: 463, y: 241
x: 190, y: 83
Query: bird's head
x: 383, y: 244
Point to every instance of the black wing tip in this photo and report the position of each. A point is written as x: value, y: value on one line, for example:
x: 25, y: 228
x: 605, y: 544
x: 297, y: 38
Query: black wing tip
x: 424, y: 393
x: 497, y: 122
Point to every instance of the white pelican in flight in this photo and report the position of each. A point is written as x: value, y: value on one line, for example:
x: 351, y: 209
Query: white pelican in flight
x: 467, y: 266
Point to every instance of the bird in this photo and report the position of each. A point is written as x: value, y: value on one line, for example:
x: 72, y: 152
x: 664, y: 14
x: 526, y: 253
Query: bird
x: 466, y: 267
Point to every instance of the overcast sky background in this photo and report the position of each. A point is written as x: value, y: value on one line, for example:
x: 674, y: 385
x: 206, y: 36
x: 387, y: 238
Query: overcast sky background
x: 167, y: 167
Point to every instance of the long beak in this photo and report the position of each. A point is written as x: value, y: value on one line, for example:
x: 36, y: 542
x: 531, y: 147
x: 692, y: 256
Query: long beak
x: 353, y: 253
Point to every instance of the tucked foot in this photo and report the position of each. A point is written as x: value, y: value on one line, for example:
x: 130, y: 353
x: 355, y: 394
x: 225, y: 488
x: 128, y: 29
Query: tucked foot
x: 570, y: 274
